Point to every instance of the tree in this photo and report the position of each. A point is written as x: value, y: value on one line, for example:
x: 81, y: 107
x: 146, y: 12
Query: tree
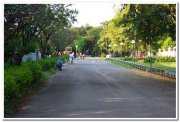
x: 32, y: 23
x: 81, y: 42
x: 149, y: 21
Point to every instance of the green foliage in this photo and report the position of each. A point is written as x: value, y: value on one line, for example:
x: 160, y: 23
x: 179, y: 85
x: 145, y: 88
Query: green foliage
x: 160, y: 59
x: 31, y: 26
x: 86, y: 38
x: 64, y: 58
x: 80, y: 42
x: 165, y: 59
x: 20, y: 80
x: 47, y: 63
x: 148, y: 59
x: 126, y: 58
x: 36, y: 70
x: 17, y: 82
x: 145, y: 22
x: 168, y: 43
x: 31, y: 47
x: 165, y: 41
x: 23, y: 76
x: 11, y: 88
x: 103, y: 55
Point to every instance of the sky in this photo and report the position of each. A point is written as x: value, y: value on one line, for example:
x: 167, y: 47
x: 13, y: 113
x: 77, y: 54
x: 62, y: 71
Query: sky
x: 94, y: 13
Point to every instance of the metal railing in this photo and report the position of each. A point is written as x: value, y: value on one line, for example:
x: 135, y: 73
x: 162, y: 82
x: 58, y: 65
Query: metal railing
x: 149, y: 69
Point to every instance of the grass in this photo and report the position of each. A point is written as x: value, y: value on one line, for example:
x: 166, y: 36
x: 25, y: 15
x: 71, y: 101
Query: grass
x: 161, y: 65
x: 45, y: 76
x: 170, y: 66
x: 121, y: 64
x: 48, y: 73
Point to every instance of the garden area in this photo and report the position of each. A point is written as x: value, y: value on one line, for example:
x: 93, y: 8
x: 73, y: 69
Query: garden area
x: 22, y: 81
x: 165, y: 63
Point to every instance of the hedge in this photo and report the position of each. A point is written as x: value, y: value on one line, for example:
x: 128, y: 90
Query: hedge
x: 36, y: 70
x: 47, y: 63
x: 147, y: 59
x: 160, y: 59
x: 130, y: 58
x: 19, y: 80
x: 165, y: 59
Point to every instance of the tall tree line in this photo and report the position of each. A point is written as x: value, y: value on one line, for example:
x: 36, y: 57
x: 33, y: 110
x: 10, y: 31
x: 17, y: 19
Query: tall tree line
x: 148, y: 24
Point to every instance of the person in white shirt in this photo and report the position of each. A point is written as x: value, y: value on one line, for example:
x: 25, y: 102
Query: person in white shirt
x: 71, y: 58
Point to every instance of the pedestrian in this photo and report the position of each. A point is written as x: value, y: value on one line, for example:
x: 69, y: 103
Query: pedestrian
x: 71, y: 58
x: 59, y: 64
x: 83, y: 56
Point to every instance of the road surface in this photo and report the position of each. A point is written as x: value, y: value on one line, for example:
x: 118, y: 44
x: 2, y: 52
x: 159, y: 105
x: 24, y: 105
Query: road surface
x: 94, y: 88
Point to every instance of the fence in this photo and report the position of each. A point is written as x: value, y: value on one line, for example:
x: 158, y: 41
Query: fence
x: 149, y: 69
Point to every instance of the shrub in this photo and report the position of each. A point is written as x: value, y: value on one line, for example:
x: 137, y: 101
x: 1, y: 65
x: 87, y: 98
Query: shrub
x: 166, y: 59
x: 103, y: 55
x: 64, y: 57
x: 126, y: 58
x: 147, y: 59
x: 11, y: 89
x: 18, y: 80
x: 23, y: 76
x: 36, y: 70
x: 130, y: 58
x: 47, y: 63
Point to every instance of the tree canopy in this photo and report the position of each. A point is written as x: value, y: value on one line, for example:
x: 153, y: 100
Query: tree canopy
x: 144, y: 23
x: 33, y: 25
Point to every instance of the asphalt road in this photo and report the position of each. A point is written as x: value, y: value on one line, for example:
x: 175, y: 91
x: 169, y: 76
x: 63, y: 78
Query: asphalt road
x: 93, y: 88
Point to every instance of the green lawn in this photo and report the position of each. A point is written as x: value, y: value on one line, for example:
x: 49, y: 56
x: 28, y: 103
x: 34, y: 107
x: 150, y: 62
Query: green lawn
x: 171, y: 66
x: 161, y: 65
x: 121, y: 64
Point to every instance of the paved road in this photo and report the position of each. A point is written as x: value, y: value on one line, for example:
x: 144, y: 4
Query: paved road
x: 92, y: 88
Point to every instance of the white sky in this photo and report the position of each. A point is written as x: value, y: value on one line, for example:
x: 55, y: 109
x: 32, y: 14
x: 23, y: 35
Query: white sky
x: 93, y: 13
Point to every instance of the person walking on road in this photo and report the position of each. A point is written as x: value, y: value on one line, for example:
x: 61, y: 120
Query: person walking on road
x: 71, y: 58
x: 83, y: 56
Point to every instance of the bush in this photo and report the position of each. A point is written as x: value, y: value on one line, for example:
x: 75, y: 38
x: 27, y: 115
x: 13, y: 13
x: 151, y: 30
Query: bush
x: 36, y: 70
x: 126, y: 58
x: 11, y: 89
x: 64, y: 57
x: 130, y: 58
x: 47, y: 63
x: 166, y: 59
x: 19, y: 80
x: 147, y: 59
x: 23, y: 76
x: 103, y: 55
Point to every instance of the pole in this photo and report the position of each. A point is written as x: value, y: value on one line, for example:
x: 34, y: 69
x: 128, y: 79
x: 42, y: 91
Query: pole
x: 134, y: 53
x: 121, y: 52
x: 106, y: 48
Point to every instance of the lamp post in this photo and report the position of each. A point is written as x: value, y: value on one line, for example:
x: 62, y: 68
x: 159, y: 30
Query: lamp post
x: 133, y: 42
x: 121, y: 49
x: 76, y: 50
